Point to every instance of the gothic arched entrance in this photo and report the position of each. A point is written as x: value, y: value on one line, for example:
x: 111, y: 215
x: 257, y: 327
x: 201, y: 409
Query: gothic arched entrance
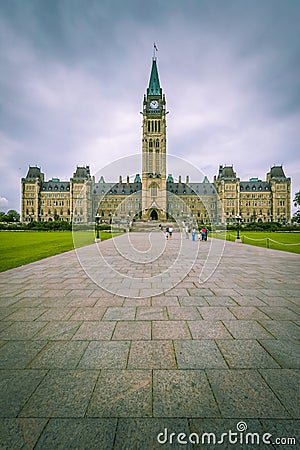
x: 154, y: 215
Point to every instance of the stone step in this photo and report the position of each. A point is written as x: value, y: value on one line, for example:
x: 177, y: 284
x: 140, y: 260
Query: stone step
x: 152, y: 226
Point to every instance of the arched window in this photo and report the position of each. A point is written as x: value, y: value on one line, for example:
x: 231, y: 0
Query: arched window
x: 150, y: 143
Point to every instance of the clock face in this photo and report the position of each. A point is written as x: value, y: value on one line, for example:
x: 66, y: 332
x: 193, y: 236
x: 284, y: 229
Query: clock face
x: 154, y: 104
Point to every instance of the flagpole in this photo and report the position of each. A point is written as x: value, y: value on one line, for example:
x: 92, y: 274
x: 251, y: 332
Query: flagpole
x: 155, y: 50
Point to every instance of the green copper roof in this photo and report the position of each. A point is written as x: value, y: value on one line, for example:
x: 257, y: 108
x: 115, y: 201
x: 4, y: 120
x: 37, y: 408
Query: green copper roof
x: 154, y: 86
x: 137, y: 178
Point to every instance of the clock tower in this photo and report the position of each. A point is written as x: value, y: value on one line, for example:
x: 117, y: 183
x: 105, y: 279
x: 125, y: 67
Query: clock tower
x: 154, y: 149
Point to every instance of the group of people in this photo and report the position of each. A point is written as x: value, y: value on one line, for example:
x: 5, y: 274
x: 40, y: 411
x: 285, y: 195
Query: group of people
x: 201, y: 234
x: 168, y: 232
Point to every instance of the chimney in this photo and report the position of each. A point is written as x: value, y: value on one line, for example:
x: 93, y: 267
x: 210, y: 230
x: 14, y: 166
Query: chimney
x: 187, y: 179
x: 179, y: 179
x: 120, y: 179
x: 127, y: 181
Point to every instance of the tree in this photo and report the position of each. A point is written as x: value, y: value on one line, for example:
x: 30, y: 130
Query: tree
x: 296, y: 215
x: 12, y: 216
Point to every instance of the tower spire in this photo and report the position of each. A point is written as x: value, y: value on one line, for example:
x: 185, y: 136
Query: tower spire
x: 154, y: 85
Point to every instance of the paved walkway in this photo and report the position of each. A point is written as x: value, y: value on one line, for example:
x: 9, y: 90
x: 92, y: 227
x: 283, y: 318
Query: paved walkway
x: 98, y: 350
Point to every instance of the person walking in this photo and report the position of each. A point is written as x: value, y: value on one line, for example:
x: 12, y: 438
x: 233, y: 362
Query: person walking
x: 204, y: 234
x: 193, y: 234
x: 187, y: 232
x: 167, y: 233
x: 170, y: 231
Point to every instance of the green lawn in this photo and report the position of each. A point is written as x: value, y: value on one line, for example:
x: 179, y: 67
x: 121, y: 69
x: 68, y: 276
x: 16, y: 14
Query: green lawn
x: 23, y: 247
x: 287, y: 241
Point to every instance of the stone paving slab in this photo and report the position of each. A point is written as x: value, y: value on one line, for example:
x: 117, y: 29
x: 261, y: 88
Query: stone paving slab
x: 105, y: 355
x: 122, y: 393
x: 183, y: 393
x: 152, y: 355
x: 18, y: 354
x: 62, y: 393
x: 198, y: 354
x: 16, y: 387
x: 82, y: 367
x: 244, y: 393
x: 244, y: 354
x: 285, y: 351
x: 285, y: 383
x: 209, y: 329
x: 58, y: 355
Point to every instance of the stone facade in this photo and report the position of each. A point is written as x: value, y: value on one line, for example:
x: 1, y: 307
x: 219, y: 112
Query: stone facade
x: 153, y: 195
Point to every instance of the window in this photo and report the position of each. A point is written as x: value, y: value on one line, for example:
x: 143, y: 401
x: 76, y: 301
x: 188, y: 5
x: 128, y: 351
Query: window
x: 157, y: 158
x: 153, y: 190
x: 150, y: 165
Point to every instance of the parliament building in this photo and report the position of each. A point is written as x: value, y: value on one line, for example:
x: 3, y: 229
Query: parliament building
x: 154, y: 195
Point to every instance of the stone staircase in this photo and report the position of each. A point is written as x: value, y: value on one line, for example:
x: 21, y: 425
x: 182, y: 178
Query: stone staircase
x: 153, y: 225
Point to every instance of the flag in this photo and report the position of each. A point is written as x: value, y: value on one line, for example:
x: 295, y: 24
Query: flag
x: 155, y: 48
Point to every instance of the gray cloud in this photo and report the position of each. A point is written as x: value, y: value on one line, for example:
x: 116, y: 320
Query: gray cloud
x: 73, y: 75
x: 3, y: 202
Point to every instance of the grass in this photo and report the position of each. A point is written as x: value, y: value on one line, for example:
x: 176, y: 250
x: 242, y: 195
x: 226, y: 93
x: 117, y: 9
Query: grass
x: 19, y: 248
x: 286, y: 241
x: 22, y: 247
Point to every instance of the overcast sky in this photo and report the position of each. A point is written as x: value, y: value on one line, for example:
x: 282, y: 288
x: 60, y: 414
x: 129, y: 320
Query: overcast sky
x: 73, y: 74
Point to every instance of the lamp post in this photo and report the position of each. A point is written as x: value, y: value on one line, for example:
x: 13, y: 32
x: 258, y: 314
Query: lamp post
x: 97, y: 220
x: 238, y: 219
